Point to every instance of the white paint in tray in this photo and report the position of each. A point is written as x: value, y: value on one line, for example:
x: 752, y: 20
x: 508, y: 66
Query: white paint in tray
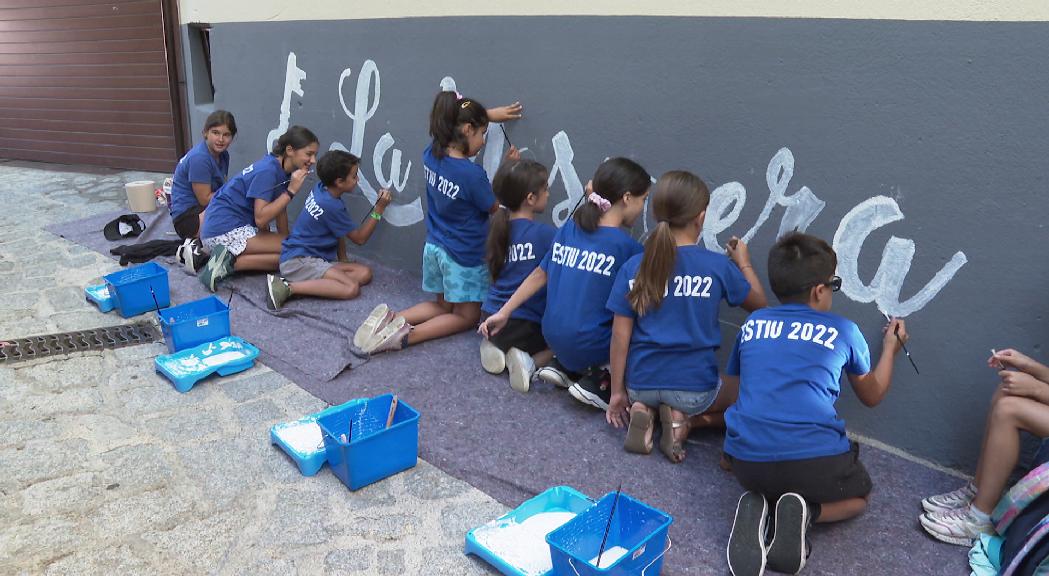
x: 523, y: 545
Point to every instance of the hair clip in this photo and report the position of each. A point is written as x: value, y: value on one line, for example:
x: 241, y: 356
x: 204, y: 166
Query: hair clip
x: 602, y: 203
x: 465, y: 104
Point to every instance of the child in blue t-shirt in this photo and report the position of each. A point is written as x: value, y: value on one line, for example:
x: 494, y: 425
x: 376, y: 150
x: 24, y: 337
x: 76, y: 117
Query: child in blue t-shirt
x: 307, y: 261
x: 516, y: 244
x: 578, y: 273
x: 459, y: 200
x: 236, y: 228
x: 665, y: 332
x: 198, y: 175
x: 784, y: 438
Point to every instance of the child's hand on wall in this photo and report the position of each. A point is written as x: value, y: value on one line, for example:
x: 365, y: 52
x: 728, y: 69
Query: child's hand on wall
x: 895, y: 335
x: 384, y: 199
x: 504, y: 113
x: 738, y: 251
x: 513, y: 153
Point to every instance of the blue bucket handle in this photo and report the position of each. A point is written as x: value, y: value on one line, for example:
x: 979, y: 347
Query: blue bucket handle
x: 670, y: 543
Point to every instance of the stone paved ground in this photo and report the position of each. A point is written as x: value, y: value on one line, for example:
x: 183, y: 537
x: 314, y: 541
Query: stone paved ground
x: 106, y: 469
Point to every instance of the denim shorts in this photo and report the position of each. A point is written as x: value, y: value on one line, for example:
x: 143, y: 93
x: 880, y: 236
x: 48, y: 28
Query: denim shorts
x: 458, y: 283
x: 687, y: 401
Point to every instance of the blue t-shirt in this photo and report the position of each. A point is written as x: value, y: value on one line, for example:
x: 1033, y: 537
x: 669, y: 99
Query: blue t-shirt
x: 458, y: 198
x: 580, y: 270
x: 233, y: 206
x: 529, y: 242
x: 672, y: 347
x: 789, y: 360
x: 323, y: 220
x: 198, y: 166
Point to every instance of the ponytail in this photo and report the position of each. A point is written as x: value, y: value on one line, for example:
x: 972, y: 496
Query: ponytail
x: 512, y: 184
x: 448, y: 114
x: 656, y: 265
x: 498, y: 244
x: 613, y: 179
x: 298, y: 137
x: 679, y: 198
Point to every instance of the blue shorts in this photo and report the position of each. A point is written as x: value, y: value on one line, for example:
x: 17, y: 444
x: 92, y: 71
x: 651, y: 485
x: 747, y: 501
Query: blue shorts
x: 458, y: 283
x: 687, y: 401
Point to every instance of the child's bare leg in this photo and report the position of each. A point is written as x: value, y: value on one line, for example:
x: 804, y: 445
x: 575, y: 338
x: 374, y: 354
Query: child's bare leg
x: 841, y: 510
x: 1001, y: 450
x: 714, y: 417
x: 464, y: 316
x: 359, y: 273
x: 335, y: 284
x: 998, y: 395
x: 262, y: 252
x: 257, y: 262
x: 424, y: 311
x: 543, y: 358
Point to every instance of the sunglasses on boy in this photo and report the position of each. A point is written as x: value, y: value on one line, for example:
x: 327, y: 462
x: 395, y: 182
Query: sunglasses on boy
x: 834, y: 283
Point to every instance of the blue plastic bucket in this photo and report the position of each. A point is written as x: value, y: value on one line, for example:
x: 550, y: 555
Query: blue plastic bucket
x: 131, y: 289
x: 194, y: 323
x: 361, y: 449
x: 636, y: 527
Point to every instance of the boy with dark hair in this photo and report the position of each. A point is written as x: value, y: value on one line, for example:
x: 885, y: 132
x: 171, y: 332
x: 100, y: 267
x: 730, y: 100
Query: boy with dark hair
x: 784, y: 438
x: 308, y: 254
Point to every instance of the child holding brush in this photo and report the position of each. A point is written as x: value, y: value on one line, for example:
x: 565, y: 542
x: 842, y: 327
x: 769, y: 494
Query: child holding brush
x: 784, y: 438
x: 1020, y: 403
x: 307, y: 260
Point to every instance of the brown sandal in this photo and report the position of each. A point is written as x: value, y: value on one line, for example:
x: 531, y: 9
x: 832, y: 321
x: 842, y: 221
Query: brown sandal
x: 672, y: 448
x: 639, y: 431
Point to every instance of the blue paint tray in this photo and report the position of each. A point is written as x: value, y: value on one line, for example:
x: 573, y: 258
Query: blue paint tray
x: 226, y: 356
x: 296, y: 439
x: 99, y: 296
x: 531, y: 554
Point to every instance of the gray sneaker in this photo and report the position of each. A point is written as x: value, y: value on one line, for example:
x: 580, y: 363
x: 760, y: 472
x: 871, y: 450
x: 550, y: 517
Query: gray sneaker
x: 279, y: 290
x: 218, y: 267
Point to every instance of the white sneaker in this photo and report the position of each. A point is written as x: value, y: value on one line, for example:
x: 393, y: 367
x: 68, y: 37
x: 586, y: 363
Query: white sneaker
x: 959, y: 498
x: 552, y: 374
x: 379, y: 317
x: 389, y: 338
x: 521, y: 367
x: 958, y: 527
x: 492, y: 358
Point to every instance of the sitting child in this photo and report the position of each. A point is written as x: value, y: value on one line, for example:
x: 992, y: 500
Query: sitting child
x: 307, y: 259
x: 666, y: 303
x: 784, y: 437
x: 516, y: 244
x: 1020, y: 403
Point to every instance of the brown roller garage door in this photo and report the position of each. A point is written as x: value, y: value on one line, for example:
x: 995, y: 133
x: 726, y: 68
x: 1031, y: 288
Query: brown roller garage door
x: 87, y: 82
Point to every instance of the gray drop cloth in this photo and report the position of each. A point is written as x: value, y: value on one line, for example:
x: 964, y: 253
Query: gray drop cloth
x: 513, y: 446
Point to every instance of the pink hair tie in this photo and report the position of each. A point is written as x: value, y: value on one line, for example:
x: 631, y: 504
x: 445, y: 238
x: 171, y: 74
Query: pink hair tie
x: 602, y: 204
x: 458, y: 96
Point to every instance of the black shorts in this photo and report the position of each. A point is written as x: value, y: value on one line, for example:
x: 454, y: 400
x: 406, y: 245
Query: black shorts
x: 521, y: 334
x: 820, y: 480
x: 188, y: 223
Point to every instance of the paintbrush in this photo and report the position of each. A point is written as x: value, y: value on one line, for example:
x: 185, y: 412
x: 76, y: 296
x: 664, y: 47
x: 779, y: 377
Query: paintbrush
x: 506, y: 136
x: 393, y: 409
x: 994, y: 354
x: 601, y: 550
x: 896, y: 332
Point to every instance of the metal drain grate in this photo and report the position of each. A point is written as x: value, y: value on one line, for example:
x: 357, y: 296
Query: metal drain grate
x: 68, y: 342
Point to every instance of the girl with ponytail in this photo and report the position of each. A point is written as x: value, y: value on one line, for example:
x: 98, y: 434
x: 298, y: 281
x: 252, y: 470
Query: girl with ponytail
x: 459, y: 200
x: 665, y: 332
x: 516, y: 244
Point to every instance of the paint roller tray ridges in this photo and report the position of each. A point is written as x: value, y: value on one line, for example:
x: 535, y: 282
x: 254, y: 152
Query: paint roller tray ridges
x: 506, y: 543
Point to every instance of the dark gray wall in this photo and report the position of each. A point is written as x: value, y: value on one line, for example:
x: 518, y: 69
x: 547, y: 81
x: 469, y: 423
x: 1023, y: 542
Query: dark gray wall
x: 946, y: 121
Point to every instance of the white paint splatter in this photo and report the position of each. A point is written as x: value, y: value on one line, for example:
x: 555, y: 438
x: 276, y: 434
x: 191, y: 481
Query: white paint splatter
x: 523, y: 545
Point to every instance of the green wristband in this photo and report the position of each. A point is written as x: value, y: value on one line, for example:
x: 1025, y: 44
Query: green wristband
x: 375, y: 215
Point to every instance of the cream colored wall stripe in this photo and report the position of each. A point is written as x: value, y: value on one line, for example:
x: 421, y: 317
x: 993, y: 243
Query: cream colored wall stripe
x: 280, y: 10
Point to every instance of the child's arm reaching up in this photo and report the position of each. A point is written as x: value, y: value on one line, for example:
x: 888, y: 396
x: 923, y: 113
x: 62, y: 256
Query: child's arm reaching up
x: 619, y: 405
x: 871, y: 387
x: 494, y: 323
x: 740, y: 254
x: 362, y: 234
